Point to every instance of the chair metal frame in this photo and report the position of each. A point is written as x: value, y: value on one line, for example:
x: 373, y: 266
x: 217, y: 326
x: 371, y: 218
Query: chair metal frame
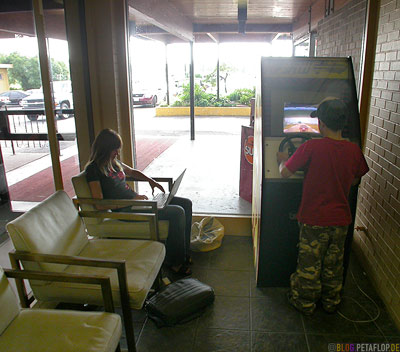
x: 143, y: 209
x: 20, y: 275
x: 16, y: 258
x: 143, y: 206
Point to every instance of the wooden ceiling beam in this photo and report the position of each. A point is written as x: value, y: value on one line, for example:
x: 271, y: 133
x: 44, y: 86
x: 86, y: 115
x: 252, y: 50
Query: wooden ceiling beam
x: 163, y: 15
x: 233, y: 28
x: 236, y: 38
x: 150, y: 29
x: 253, y: 37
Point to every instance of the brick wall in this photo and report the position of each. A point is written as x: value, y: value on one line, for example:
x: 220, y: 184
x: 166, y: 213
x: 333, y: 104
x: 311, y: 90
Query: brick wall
x: 378, y: 209
x: 379, y: 197
x: 341, y: 34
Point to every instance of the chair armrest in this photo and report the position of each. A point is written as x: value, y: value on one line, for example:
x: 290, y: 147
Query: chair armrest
x: 144, y: 205
x: 17, y: 256
x: 169, y: 180
x: 103, y: 281
x: 143, y: 210
x: 119, y: 265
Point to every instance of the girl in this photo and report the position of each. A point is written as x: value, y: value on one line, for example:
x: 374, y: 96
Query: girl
x: 106, y: 178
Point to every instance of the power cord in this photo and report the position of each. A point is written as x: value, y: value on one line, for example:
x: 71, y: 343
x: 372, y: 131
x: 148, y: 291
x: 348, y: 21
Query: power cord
x: 365, y: 310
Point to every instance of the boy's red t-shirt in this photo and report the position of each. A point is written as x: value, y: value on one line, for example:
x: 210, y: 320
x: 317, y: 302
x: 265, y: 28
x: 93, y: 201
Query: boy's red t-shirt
x: 330, y: 168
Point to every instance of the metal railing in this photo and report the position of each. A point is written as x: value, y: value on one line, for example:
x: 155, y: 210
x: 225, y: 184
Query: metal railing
x: 18, y: 130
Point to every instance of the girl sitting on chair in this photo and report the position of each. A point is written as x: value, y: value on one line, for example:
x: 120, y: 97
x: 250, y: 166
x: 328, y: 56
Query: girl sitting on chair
x: 106, y: 178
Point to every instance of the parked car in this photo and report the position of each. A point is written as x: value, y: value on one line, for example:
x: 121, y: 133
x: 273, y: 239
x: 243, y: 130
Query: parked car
x: 62, y: 93
x: 146, y: 96
x: 12, y: 97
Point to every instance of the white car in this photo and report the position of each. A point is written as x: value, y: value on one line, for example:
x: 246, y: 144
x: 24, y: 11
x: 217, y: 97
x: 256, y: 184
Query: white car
x: 146, y: 96
x: 62, y: 100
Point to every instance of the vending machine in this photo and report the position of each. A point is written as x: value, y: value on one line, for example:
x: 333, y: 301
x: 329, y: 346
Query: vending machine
x: 289, y: 89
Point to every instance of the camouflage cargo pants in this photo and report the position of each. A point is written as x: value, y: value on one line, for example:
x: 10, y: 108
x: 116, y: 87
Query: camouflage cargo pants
x: 319, y: 271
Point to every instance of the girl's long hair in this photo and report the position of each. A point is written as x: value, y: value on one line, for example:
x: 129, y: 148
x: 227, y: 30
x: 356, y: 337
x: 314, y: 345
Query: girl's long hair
x: 105, y: 143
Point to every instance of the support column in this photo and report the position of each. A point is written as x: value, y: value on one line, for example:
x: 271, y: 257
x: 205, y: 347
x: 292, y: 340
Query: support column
x: 367, y: 68
x: 75, y: 21
x: 312, y: 44
x: 166, y: 72
x: 105, y: 85
x: 192, y: 132
x: 217, y: 71
x: 48, y: 98
x: 107, y: 35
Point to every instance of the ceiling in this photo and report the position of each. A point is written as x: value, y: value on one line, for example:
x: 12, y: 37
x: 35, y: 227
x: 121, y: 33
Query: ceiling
x: 189, y: 20
x: 219, y: 21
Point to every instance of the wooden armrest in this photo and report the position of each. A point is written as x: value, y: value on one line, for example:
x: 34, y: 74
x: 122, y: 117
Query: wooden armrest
x: 169, y: 180
x: 65, y: 259
x: 140, y: 204
x: 103, y: 281
x: 143, y: 210
x: 17, y: 256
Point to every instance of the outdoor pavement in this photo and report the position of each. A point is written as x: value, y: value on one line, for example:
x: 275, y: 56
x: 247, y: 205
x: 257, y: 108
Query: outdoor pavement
x: 211, y: 180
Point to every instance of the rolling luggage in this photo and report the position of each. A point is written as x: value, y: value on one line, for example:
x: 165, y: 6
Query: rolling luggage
x: 179, y: 302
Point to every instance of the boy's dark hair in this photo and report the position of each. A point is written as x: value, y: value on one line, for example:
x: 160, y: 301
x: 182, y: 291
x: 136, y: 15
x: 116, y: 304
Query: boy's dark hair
x: 333, y: 113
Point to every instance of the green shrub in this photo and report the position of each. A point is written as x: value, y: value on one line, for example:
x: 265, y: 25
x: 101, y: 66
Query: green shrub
x: 223, y: 102
x: 242, y: 95
x: 201, y: 98
x: 177, y: 103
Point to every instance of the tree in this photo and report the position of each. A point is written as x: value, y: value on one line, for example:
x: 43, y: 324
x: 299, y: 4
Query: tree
x: 26, y: 72
x: 224, y: 71
x: 59, y: 70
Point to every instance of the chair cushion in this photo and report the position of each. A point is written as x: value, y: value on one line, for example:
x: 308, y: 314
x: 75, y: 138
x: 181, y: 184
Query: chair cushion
x: 52, y: 227
x: 8, y: 303
x: 62, y: 330
x: 124, y: 229
x: 143, y: 261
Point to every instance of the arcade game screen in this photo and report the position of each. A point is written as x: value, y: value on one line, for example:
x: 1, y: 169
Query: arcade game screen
x: 296, y: 118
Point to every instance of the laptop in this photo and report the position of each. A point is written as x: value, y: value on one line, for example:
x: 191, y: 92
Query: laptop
x: 163, y: 199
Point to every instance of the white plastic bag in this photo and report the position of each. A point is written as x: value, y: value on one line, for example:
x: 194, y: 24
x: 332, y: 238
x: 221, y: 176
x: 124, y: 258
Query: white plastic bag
x: 206, y: 235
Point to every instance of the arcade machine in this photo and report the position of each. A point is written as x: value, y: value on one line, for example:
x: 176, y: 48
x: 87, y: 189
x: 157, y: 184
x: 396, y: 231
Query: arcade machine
x: 289, y: 90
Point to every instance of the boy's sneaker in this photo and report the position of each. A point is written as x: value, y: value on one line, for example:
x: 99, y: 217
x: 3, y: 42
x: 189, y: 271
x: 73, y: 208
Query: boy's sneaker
x: 300, y: 309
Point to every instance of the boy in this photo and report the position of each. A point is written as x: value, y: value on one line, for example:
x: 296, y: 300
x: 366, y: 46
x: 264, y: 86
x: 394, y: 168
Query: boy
x: 331, y: 165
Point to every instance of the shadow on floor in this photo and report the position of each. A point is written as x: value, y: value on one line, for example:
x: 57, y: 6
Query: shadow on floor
x: 246, y: 318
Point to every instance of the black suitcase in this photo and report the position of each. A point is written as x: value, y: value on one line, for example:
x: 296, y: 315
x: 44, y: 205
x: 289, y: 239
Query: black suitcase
x: 179, y: 302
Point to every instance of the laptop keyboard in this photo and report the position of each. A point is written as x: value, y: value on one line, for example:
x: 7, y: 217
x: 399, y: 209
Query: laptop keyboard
x: 161, y: 198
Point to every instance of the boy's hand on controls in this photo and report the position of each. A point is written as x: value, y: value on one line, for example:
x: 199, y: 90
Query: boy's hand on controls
x: 281, y: 156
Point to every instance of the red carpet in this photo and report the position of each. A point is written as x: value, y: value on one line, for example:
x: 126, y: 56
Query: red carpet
x: 39, y: 186
x: 148, y: 149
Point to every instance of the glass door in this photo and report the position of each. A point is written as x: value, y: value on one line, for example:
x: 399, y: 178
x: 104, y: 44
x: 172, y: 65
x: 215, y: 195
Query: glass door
x: 28, y: 160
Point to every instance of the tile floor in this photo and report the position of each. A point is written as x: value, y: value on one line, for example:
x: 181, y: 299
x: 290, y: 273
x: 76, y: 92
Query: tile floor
x: 250, y: 319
